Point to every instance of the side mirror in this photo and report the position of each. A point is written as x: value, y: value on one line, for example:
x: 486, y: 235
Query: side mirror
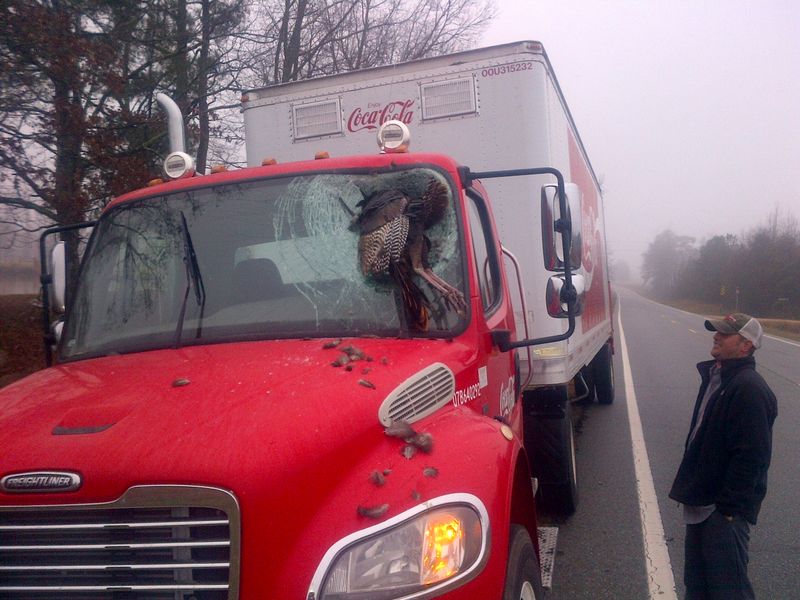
x: 58, y: 271
x: 53, y: 275
x: 554, y: 223
x: 558, y: 296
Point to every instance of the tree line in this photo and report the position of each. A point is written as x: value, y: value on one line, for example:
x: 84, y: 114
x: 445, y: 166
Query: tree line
x: 757, y: 272
x: 78, y: 119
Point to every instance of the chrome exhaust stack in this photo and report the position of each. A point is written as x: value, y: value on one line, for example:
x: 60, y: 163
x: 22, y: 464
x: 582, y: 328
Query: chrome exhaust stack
x: 178, y: 164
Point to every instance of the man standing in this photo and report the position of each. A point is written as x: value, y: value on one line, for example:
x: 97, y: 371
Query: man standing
x: 722, y: 478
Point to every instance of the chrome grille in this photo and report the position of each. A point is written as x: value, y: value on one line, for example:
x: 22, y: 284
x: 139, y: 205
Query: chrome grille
x: 151, y: 544
x: 419, y: 395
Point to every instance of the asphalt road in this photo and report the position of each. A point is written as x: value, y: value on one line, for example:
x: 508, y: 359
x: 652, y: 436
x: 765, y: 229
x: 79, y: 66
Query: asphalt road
x: 601, y: 550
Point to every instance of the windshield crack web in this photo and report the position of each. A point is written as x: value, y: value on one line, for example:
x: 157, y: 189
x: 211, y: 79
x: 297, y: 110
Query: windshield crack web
x: 315, y: 216
x: 306, y: 215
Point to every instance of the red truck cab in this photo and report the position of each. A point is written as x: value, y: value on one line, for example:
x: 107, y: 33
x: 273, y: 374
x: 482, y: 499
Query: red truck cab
x: 238, y: 411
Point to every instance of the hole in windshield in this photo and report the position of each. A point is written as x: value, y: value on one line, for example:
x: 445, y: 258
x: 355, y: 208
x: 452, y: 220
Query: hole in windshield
x: 304, y: 256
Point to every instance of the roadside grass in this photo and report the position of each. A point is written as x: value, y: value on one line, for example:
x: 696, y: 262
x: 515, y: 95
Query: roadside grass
x: 782, y: 328
x: 21, y: 351
x: 785, y: 328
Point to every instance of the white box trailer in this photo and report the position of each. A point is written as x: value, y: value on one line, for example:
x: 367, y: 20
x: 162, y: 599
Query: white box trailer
x: 492, y: 108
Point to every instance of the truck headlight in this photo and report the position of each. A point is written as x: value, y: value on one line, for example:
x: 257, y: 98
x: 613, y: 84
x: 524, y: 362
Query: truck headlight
x: 439, y: 544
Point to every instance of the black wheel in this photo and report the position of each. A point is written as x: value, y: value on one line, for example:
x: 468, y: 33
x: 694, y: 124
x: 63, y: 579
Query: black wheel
x: 550, y: 442
x: 523, y: 576
x: 603, y: 374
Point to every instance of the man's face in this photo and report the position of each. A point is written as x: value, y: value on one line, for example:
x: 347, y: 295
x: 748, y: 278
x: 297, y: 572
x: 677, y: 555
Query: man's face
x: 731, y: 345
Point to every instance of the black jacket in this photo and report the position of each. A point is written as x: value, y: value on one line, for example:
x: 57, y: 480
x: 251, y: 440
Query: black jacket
x: 726, y: 463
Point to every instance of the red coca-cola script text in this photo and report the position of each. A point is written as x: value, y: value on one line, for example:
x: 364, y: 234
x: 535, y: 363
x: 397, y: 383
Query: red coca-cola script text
x: 376, y: 114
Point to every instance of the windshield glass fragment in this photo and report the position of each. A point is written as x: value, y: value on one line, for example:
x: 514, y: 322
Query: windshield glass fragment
x: 289, y: 257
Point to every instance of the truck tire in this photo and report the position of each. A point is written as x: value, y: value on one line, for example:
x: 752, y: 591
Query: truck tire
x: 603, y: 374
x: 550, y: 442
x: 523, y: 575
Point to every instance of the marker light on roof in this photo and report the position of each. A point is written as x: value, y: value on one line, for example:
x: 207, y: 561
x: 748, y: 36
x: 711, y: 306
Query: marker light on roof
x: 178, y: 165
x: 394, y: 136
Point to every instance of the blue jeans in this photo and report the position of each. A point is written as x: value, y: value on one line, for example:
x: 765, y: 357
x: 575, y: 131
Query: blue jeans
x: 716, y: 559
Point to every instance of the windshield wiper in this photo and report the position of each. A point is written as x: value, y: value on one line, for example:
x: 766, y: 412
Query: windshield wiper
x: 193, y: 280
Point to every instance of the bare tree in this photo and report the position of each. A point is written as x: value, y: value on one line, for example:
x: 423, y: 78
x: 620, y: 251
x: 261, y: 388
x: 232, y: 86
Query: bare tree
x: 769, y: 266
x: 757, y: 272
x: 78, y: 121
x: 286, y: 40
x: 207, y: 72
x: 78, y: 124
x: 665, y: 261
x: 305, y: 38
x: 51, y: 74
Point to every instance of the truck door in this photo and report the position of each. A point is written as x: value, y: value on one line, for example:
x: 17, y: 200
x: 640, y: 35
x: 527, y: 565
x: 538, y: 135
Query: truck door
x: 496, y: 371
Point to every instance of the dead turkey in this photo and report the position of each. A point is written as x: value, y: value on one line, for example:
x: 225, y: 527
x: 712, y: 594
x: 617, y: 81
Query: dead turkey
x: 392, y: 242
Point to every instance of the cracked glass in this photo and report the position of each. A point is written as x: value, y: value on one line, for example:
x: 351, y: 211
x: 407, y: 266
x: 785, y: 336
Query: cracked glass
x: 276, y: 258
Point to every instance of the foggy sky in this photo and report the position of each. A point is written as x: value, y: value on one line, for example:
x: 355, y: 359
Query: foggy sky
x: 690, y: 111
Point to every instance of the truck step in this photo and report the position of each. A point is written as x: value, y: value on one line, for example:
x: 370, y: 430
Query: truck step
x: 547, y: 554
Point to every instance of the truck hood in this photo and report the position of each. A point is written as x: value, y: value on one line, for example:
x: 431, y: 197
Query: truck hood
x: 269, y: 411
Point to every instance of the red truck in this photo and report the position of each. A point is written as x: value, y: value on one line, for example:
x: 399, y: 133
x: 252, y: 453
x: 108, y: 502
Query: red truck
x: 292, y: 380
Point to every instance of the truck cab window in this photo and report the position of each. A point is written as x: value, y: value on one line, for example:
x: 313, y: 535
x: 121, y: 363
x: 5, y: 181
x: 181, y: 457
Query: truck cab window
x: 485, y: 262
x: 280, y: 257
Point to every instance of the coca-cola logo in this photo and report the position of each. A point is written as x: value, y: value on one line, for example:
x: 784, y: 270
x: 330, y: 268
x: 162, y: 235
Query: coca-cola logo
x: 376, y: 114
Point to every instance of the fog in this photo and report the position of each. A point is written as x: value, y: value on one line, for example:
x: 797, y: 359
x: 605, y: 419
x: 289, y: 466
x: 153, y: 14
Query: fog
x: 690, y: 111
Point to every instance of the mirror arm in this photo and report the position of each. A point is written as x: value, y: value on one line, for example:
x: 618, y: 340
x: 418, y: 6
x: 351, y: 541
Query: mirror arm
x: 502, y: 337
x: 568, y: 295
x: 563, y: 226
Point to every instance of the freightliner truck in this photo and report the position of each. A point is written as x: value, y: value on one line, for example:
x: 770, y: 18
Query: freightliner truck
x: 343, y: 372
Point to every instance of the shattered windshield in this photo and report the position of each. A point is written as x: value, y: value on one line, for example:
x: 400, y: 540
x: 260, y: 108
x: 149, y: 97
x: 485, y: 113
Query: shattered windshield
x: 308, y: 256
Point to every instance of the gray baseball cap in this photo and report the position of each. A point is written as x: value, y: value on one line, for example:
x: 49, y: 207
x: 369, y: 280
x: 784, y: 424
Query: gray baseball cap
x: 745, y: 325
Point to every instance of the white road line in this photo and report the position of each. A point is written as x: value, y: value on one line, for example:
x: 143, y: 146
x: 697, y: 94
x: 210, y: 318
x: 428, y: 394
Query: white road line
x: 784, y: 340
x: 660, y: 579
x: 772, y: 337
